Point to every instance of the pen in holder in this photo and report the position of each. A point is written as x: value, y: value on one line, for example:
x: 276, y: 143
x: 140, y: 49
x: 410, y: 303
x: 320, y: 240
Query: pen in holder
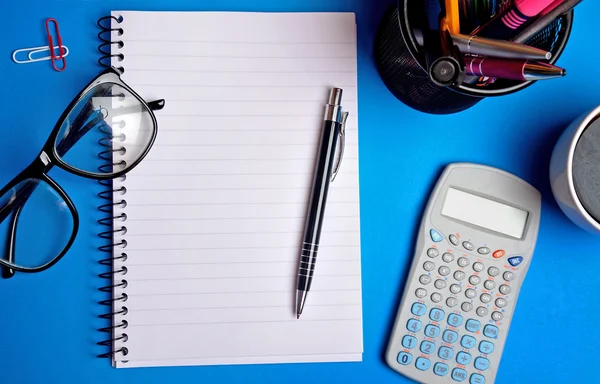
x: 403, y: 59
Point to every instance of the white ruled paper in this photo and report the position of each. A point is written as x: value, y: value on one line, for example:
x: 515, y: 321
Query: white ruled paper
x: 215, y: 212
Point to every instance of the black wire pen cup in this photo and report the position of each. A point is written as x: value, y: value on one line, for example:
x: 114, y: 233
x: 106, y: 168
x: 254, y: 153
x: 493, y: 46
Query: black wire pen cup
x: 402, y: 62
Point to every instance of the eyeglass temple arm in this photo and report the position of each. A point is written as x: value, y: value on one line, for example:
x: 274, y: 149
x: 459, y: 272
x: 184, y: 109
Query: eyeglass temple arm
x: 7, y: 272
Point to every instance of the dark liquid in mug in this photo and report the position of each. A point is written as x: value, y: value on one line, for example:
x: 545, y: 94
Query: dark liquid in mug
x: 586, y: 169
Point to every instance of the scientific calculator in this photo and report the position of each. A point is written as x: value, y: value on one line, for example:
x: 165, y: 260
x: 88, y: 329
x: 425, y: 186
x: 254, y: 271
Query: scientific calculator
x: 474, y: 248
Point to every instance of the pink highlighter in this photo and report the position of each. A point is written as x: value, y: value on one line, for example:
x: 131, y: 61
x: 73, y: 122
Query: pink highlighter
x: 506, y: 25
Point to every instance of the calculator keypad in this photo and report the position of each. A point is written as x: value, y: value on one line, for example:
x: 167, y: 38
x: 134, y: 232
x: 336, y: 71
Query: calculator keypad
x: 455, y: 335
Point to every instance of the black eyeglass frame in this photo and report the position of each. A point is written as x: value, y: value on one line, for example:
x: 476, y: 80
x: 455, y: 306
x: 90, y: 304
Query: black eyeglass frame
x: 48, y: 158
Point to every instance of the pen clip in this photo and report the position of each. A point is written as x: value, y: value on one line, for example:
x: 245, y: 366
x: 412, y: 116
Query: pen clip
x: 342, y: 145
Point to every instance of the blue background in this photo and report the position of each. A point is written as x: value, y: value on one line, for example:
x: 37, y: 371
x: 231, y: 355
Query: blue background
x: 49, y: 320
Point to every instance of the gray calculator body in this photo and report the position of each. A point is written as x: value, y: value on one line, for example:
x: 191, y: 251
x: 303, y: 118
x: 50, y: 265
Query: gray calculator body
x: 474, y: 247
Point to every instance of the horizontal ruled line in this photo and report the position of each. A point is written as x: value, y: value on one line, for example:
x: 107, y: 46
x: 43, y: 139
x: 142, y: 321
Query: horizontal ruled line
x: 243, y: 159
x: 236, y: 218
x: 128, y: 249
x: 224, y: 71
x: 235, y: 233
x: 210, y: 204
x: 246, y: 307
x: 135, y: 85
x: 245, y: 42
x: 236, y: 293
x: 235, y: 277
x: 230, y: 189
x: 243, y: 262
x: 245, y: 322
x: 244, y: 57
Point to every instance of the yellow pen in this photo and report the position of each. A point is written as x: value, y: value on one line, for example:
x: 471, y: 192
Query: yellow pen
x: 452, y: 16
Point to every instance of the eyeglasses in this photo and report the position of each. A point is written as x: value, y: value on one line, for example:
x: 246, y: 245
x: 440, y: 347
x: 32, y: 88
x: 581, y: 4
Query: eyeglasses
x: 107, y: 112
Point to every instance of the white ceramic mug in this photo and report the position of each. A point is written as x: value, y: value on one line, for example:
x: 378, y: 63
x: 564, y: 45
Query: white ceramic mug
x: 561, y: 173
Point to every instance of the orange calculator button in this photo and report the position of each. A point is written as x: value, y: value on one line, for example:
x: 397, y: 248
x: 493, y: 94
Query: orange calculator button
x: 498, y: 254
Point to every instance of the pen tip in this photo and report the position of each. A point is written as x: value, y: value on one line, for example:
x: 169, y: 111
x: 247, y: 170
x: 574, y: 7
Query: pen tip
x: 298, y: 316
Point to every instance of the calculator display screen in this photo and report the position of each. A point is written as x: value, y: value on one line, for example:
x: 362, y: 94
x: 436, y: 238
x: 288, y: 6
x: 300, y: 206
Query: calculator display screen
x: 485, y: 213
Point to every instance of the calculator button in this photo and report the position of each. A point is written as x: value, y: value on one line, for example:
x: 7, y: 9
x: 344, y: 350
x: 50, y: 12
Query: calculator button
x: 454, y: 319
x: 445, y: 353
x: 436, y: 297
x: 476, y: 378
x: 474, y: 280
x: 508, y: 276
x: 504, y: 289
x: 435, y: 236
x: 472, y: 325
x: 404, y: 358
x: 413, y: 325
x: 493, y: 271
x: 418, y: 309
x: 459, y: 275
x: 423, y: 364
x: 501, y: 303
x: 436, y: 314
x: 455, y: 288
x: 427, y: 347
x: 485, y: 298
x: 451, y: 302
x: 489, y: 284
x: 468, y: 246
x: 470, y: 293
x: 483, y: 250
x: 486, y: 347
x: 428, y: 266
x: 459, y: 374
x: 432, y: 252
x: 448, y: 257
x: 466, y: 306
x: 421, y: 293
x: 498, y: 254
x: 464, y: 358
x: 481, y: 311
x: 409, y: 342
x: 444, y: 271
x: 467, y: 342
x: 425, y: 279
x: 450, y: 336
x: 497, y: 316
x: 515, y: 260
x: 478, y: 267
x: 440, y: 369
x: 463, y: 261
x: 481, y: 363
x: 432, y: 331
x: 490, y: 331
x: 454, y: 240
x: 440, y: 284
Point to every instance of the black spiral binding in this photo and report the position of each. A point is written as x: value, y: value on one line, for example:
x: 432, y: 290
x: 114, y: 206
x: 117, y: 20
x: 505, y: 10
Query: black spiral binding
x: 114, y: 250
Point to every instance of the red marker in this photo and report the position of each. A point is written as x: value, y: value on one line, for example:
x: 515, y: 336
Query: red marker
x: 522, y: 70
x: 506, y: 25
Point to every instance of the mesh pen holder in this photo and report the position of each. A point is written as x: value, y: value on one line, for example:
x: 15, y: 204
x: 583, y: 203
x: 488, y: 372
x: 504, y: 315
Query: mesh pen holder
x: 402, y: 65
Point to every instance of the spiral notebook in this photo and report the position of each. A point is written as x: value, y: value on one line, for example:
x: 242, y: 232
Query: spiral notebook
x: 215, y: 212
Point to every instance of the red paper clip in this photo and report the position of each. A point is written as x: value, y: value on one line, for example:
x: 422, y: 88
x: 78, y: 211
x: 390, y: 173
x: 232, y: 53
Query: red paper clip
x: 61, y: 51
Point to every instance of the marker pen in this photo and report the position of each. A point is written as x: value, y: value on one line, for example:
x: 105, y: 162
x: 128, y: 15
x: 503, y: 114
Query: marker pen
x: 506, y: 25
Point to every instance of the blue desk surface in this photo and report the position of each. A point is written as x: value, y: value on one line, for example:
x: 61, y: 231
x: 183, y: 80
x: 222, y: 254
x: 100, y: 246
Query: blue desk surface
x: 48, y: 320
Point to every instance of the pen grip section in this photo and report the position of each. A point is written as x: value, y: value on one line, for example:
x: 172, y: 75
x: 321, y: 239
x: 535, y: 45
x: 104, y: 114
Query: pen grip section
x: 306, y: 268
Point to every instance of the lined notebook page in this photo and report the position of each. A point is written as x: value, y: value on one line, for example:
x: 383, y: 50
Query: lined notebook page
x: 215, y: 212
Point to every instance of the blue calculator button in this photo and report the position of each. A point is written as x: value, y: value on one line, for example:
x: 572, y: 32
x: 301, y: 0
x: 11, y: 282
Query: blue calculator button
x: 404, y: 358
x: 436, y: 236
x: 427, y: 347
x: 473, y: 325
x: 463, y: 358
x: 432, y: 331
x: 490, y: 331
x: 445, y: 353
x: 450, y: 336
x: 467, y: 341
x: 440, y: 369
x: 418, y: 309
x: 481, y: 363
x: 454, y: 319
x: 409, y: 342
x: 423, y: 364
x: 516, y: 260
x: 476, y: 378
x: 459, y: 374
x: 413, y: 325
x: 436, y: 314
x: 486, y: 347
